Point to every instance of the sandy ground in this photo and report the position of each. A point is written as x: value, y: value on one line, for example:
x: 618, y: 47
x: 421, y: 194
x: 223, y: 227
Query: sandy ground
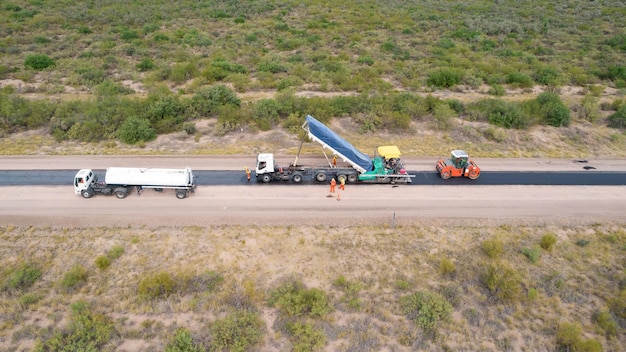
x: 237, y: 162
x: 311, y: 204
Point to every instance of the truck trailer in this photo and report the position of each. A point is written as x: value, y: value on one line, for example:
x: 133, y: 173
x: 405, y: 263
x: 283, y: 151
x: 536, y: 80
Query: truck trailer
x: 120, y: 181
x: 385, y: 167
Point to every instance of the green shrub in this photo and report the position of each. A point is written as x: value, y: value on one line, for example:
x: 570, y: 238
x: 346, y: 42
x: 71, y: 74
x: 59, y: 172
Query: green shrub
x: 74, y: 278
x: 446, y: 267
x: 136, y: 130
x: 103, y: 262
x: 519, y: 79
x: 206, y: 101
x: 546, y: 76
x: 618, y: 304
x: 305, y: 337
x: 39, y: 62
x: 293, y: 299
x: 551, y: 109
x: 189, y: 128
x: 493, y: 248
x: 87, y: 331
x: 444, y: 78
x: 146, y: 64
x: 29, y: 299
x: 567, y: 336
x: 156, y: 285
x: 507, y: 115
x: 204, y: 282
x: 21, y: 277
x: 532, y: 254
x: 115, y: 252
x: 606, y: 322
x: 443, y: 115
x: 503, y: 282
x: 238, y: 331
x: 182, y: 342
x: 548, y: 241
x: 618, y: 119
x: 266, y: 113
x: 426, y: 309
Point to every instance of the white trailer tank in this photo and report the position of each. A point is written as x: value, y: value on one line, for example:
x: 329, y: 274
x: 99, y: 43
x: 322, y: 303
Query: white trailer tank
x: 149, y: 177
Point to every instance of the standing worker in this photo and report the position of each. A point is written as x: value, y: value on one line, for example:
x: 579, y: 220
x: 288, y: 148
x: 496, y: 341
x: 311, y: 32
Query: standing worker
x: 333, y: 183
x: 247, y: 173
x: 342, y: 183
x: 334, y: 160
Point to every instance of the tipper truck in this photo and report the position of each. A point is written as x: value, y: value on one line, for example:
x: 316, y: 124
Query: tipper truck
x: 385, y: 167
x: 120, y: 181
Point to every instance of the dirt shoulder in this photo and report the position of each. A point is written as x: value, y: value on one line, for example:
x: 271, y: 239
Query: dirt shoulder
x: 237, y: 162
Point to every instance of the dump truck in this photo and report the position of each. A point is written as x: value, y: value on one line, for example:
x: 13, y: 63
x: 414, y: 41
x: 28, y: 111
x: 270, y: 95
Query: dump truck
x: 458, y: 165
x: 385, y: 167
x: 120, y: 181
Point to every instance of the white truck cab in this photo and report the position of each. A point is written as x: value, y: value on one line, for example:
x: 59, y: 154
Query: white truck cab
x: 264, y: 163
x: 83, y: 179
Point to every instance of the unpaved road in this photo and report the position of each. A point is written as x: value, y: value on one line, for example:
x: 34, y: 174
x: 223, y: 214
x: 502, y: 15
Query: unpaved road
x: 312, y: 204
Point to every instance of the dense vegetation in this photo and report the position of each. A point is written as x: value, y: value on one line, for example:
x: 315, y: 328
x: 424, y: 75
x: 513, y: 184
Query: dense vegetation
x: 194, y: 57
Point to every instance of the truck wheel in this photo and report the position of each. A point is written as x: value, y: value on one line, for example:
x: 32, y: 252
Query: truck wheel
x: 266, y: 178
x: 320, y: 177
x: 121, y: 194
x: 445, y: 174
x: 181, y: 194
x: 296, y: 178
x: 352, y: 178
x: 87, y: 193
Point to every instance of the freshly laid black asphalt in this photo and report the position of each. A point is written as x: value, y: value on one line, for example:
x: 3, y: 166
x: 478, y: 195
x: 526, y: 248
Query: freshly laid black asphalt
x: 219, y: 178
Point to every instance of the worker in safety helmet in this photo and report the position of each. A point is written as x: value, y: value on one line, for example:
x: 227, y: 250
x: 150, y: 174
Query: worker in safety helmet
x: 333, y: 183
x: 247, y: 173
x: 342, y: 183
x: 334, y: 160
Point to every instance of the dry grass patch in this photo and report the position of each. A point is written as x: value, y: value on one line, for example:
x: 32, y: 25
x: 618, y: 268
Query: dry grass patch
x: 350, y: 285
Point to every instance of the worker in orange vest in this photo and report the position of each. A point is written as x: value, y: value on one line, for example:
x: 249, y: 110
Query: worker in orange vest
x: 342, y: 183
x: 247, y: 173
x: 334, y: 160
x: 333, y: 183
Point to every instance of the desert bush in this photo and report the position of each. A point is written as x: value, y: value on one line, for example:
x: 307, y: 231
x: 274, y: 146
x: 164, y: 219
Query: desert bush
x: 103, y: 262
x: 548, y: 241
x: 135, y: 130
x: 519, y: 79
x: 74, y: 278
x: 238, y: 331
x: 21, y: 277
x: 115, y: 252
x: 546, y: 75
x: 569, y: 338
x: 507, y: 115
x: 293, y: 299
x: 203, y: 282
x: 426, y: 309
x: 182, y: 72
x: 206, y: 101
x: 605, y: 322
x: 617, y: 304
x: 156, y: 285
x: 146, y: 64
x: 443, y: 115
x: 266, y: 113
x: 39, y: 62
x: 189, y: 128
x: 182, y: 341
x: 496, y: 89
x: 493, y: 248
x: 618, y: 119
x: 87, y: 331
x: 589, y: 108
x: 351, y: 291
x: 29, y: 299
x: 444, y: 78
x: 503, y: 282
x: 532, y: 254
x: 165, y: 111
x: 305, y: 337
x: 551, y: 109
x: 447, y: 267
